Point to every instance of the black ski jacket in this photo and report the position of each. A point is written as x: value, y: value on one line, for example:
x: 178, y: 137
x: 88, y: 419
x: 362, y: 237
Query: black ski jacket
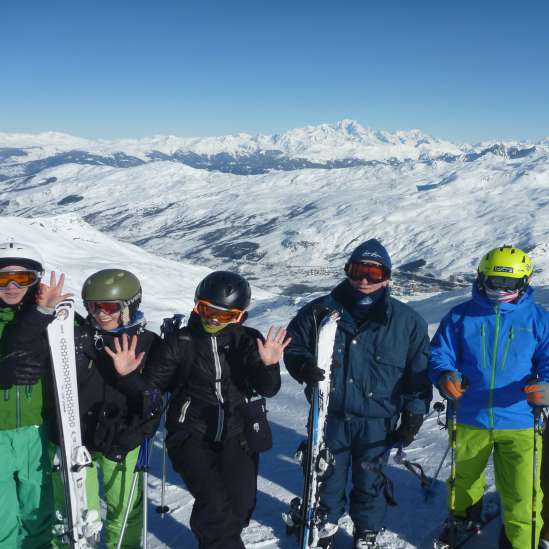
x: 210, y: 378
x: 112, y: 421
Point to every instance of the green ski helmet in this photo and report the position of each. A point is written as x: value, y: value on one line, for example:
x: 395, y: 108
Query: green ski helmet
x: 116, y: 286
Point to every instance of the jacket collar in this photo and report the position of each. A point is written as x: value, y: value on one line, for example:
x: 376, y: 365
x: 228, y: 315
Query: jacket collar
x: 379, y: 314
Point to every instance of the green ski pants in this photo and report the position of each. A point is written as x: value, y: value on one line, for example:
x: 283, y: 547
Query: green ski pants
x: 26, y: 500
x: 512, y: 451
x: 115, y: 480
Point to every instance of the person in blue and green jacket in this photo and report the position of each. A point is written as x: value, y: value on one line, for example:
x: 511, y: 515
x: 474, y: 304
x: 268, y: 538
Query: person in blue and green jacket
x: 26, y: 504
x: 490, y: 356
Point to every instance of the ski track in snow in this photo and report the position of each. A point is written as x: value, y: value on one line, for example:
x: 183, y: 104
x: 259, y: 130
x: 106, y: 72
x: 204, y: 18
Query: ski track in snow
x: 69, y: 243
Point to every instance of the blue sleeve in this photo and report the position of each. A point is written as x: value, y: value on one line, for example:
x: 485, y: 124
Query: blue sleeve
x: 541, y: 355
x: 302, y: 348
x: 444, y: 349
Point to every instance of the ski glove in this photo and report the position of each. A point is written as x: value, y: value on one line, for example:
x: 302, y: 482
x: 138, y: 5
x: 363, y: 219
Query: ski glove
x: 310, y: 373
x: 408, y: 428
x: 25, y: 369
x: 451, y: 385
x: 537, y: 393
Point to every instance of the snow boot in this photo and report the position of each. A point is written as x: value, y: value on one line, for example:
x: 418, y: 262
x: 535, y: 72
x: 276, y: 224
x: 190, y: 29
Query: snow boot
x: 327, y: 536
x: 366, y: 539
x: 462, y: 529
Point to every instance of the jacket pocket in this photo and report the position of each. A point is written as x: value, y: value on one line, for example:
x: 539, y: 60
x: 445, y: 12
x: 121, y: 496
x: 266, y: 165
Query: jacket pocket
x: 387, y: 371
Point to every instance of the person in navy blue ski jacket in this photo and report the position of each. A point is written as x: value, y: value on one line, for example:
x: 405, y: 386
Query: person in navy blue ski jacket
x: 378, y: 375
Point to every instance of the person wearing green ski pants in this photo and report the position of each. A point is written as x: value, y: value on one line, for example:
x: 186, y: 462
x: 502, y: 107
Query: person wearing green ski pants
x: 490, y: 360
x: 512, y: 451
x: 26, y: 401
x: 115, y: 480
x: 26, y: 504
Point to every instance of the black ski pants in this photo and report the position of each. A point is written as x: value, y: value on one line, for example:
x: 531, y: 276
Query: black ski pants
x: 222, y: 477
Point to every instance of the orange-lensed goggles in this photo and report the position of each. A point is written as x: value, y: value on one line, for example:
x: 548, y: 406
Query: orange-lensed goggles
x: 372, y: 272
x: 107, y: 307
x: 207, y: 311
x: 22, y: 279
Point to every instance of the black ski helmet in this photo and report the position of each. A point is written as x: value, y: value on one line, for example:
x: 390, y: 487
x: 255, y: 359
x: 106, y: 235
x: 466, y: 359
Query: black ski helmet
x: 114, y: 285
x: 225, y: 289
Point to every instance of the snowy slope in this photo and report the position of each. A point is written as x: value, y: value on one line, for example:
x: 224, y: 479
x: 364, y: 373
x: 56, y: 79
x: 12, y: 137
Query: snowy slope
x: 71, y: 245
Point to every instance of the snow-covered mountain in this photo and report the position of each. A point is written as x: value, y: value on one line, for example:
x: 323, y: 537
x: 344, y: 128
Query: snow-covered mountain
x: 327, y: 146
x: 437, y: 206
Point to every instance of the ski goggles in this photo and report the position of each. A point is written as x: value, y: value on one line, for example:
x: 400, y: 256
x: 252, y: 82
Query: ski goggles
x: 504, y: 283
x: 107, y: 307
x: 207, y: 311
x: 22, y: 279
x: 372, y: 272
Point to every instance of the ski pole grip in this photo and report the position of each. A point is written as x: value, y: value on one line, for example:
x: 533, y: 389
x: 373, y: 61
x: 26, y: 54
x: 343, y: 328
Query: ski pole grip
x: 439, y: 407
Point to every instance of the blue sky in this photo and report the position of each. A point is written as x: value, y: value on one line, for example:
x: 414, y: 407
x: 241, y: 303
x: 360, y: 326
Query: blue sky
x: 465, y: 71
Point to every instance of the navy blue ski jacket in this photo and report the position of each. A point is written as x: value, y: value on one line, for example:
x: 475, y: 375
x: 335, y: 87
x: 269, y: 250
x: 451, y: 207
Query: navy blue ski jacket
x: 380, y: 366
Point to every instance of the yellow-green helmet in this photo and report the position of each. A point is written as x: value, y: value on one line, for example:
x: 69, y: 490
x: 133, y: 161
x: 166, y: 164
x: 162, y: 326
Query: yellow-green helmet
x: 506, y: 261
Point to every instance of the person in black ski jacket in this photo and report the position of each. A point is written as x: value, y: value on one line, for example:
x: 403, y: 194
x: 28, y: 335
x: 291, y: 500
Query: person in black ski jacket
x: 378, y: 375
x: 212, y: 367
x: 113, y: 423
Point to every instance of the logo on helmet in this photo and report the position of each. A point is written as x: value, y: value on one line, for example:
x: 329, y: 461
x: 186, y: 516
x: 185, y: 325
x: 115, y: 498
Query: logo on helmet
x: 501, y: 269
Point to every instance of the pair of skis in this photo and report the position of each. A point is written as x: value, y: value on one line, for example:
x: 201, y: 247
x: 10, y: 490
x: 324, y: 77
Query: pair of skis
x: 306, y: 517
x: 79, y: 527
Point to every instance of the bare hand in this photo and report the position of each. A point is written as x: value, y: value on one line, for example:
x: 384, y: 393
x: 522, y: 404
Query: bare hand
x: 123, y: 357
x: 271, y: 351
x: 49, y: 296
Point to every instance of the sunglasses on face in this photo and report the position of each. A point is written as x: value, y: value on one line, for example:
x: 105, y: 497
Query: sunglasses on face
x: 207, y: 311
x: 22, y: 279
x: 504, y: 283
x: 107, y: 307
x: 372, y: 272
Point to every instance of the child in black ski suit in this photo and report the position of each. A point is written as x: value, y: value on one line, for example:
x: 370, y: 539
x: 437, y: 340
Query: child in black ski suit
x: 211, y: 366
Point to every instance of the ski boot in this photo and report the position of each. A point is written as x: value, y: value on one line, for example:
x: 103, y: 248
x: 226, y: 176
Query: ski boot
x: 366, y: 539
x: 327, y: 535
x: 455, y: 530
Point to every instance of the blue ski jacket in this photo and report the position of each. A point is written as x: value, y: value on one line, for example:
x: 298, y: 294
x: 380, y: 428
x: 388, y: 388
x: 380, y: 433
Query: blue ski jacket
x: 379, y: 367
x: 499, y: 348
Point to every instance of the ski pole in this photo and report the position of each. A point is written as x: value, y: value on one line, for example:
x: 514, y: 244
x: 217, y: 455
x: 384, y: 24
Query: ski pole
x: 537, y: 416
x: 163, y: 508
x: 140, y: 466
x: 145, y: 471
x: 453, y: 446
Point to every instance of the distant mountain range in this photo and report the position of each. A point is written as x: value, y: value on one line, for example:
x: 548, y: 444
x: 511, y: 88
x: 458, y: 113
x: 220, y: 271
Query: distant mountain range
x: 327, y: 146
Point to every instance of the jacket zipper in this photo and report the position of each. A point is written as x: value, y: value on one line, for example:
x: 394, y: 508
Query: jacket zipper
x: 507, y: 345
x: 483, y: 338
x: 221, y: 411
x: 184, y: 409
x: 493, y: 374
